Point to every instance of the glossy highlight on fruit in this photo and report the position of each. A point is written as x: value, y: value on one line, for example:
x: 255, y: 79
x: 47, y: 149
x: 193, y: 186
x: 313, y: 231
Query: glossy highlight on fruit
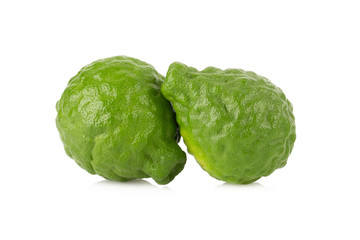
x: 114, y: 122
x: 237, y: 124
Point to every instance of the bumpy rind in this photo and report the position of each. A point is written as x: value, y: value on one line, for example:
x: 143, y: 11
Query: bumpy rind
x: 237, y: 124
x: 114, y: 122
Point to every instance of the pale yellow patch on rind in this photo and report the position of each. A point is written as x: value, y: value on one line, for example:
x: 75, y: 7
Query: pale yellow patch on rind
x: 195, y: 150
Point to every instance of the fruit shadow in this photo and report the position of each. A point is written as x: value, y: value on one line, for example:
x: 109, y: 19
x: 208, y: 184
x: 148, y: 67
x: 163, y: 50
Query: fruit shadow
x: 254, y: 185
x: 137, y: 183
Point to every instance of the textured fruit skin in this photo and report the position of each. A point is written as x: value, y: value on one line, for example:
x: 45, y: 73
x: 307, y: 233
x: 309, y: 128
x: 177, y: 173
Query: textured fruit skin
x: 114, y: 122
x: 238, y: 125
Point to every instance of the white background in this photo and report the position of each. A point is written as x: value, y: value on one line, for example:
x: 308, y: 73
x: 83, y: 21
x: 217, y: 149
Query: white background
x: 310, y: 49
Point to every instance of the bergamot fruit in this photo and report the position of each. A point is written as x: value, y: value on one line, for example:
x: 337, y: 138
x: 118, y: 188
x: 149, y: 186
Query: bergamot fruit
x: 237, y: 124
x: 114, y: 122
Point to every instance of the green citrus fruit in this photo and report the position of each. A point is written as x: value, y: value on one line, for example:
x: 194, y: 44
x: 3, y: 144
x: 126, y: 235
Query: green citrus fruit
x: 237, y: 124
x: 114, y: 122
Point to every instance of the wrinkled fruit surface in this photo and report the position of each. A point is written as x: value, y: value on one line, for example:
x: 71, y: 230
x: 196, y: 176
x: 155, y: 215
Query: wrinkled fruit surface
x: 114, y: 122
x: 238, y: 125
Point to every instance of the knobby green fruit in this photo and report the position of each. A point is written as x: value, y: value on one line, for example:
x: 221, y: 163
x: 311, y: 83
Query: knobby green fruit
x: 238, y: 125
x: 114, y: 122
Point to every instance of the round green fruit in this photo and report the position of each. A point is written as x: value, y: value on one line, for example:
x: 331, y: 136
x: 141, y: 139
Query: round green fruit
x: 114, y: 122
x: 237, y: 124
